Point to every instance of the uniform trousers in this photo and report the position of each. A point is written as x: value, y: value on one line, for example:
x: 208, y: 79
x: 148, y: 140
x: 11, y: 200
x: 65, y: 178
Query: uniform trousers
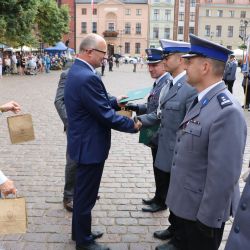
x: 193, y: 237
x: 162, y: 180
x: 88, y: 179
x: 230, y: 84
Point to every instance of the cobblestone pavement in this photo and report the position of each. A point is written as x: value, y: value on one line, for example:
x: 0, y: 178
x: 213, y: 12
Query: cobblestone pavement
x: 37, y: 167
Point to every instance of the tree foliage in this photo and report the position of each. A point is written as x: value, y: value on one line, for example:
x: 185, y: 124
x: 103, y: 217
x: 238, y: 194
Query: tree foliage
x: 28, y: 22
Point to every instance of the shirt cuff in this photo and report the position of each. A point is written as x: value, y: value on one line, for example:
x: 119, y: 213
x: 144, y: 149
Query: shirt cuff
x: 3, y: 178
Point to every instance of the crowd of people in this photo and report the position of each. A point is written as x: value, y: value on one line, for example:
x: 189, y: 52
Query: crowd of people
x: 31, y: 63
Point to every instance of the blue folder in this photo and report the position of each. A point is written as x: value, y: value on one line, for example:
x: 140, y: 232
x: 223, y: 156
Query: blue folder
x: 136, y: 94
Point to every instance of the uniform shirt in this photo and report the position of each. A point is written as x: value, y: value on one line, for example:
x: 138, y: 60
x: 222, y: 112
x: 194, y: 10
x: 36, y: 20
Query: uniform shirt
x: 205, y: 91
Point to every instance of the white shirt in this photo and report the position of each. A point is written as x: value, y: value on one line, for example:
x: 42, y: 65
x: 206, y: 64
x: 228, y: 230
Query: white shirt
x: 3, y: 178
x: 159, y: 78
x: 178, y: 77
x: 205, y: 91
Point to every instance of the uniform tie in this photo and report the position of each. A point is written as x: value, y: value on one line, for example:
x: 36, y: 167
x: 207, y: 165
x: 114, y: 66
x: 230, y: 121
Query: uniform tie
x: 195, y: 101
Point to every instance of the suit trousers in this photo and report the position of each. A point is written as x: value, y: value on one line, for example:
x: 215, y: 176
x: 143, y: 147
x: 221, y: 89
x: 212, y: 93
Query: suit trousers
x: 191, y: 237
x: 70, y: 172
x: 162, y: 180
x: 88, y: 179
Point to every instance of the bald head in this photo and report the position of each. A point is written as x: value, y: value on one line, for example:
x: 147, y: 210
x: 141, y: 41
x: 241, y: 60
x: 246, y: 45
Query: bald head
x: 93, y: 49
x: 91, y: 41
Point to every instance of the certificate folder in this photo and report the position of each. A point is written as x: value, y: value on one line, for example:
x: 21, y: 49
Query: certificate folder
x: 136, y: 94
x: 148, y: 134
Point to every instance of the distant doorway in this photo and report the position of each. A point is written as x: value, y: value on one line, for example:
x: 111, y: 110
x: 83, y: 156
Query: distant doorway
x: 111, y: 49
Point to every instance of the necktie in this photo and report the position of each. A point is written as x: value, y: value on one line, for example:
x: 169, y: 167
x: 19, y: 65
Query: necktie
x: 154, y: 84
x: 195, y: 101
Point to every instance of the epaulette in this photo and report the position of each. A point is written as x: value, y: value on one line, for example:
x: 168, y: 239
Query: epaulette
x: 224, y: 100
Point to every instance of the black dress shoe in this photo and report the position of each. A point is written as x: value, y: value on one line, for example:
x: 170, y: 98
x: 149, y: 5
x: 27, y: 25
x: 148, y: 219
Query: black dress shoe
x: 68, y: 205
x: 98, y: 197
x: 149, y: 201
x: 163, y: 234
x: 92, y: 246
x: 95, y: 235
x: 166, y: 246
x: 154, y: 208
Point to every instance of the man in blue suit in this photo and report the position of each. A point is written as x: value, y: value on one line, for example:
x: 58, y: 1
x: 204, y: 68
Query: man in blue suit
x: 91, y: 116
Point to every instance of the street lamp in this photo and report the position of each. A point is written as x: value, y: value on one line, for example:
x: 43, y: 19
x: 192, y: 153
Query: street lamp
x: 243, y: 34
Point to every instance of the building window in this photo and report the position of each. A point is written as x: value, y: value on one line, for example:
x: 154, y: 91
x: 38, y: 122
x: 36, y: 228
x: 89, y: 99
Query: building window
x: 127, y: 28
x: 180, y: 30
x: 192, y: 16
x: 84, y: 27
x: 181, y: 3
x: 138, y: 29
x: 166, y: 33
x: 207, y: 30
x: 94, y: 27
x: 208, y: 12
x: 243, y: 14
x: 156, y: 14
x: 94, y: 11
x: 127, y: 12
x: 218, y: 30
x: 138, y: 12
x: 181, y: 16
x: 137, y: 48
x: 192, y: 3
x: 230, y: 31
x: 168, y: 1
x: 84, y: 11
x: 127, y: 48
x: 220, y: 13
x: 230, y: 1
x: 167, y: 15
x: 231, y: 13
x: 111, y: 27
x: 191, y: 30
x: 155, y: 33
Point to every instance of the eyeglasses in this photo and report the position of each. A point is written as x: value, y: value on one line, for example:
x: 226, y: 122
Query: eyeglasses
x: 104, y: 52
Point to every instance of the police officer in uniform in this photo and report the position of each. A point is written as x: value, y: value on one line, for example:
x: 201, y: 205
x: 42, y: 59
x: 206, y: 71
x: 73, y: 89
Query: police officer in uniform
x: 156, y: 67
x: 239, y: 236
x: 174, y: 101
x: 204, y: 190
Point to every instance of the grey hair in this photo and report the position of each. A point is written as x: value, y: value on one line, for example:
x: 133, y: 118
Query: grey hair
x: 89, y: 42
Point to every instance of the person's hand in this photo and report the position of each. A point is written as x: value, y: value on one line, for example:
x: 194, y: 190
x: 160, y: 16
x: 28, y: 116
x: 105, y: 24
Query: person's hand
x: 10, y: 106
x: 8, y: 188
x: 132, y: 107
x: 119, y: 98
x: 138, y: 123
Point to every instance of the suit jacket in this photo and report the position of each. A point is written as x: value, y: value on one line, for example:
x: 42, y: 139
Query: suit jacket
x: 239, y: 236
x: 153, y: 99
x: 207, y: 159
x: 59, y: 99
x: 173, y: 108
x: 91, y: 116
x: 230, y: 71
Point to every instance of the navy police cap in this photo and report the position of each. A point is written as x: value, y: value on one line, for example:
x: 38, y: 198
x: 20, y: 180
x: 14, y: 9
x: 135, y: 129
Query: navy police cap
x: 170, y: 46
x: 203, y: 47
x: 154, y: 55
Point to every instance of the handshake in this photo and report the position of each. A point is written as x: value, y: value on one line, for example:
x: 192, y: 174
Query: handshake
x: 137, y: 124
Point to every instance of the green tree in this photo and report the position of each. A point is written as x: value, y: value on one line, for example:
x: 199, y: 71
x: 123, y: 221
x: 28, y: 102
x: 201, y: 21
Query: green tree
x: 27, y: 22
x: 52, y: 22
x: 18, y: 17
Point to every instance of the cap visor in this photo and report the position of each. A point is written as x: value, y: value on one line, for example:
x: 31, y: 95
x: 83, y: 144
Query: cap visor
x: 151, y: 62
x: 189, y: 55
